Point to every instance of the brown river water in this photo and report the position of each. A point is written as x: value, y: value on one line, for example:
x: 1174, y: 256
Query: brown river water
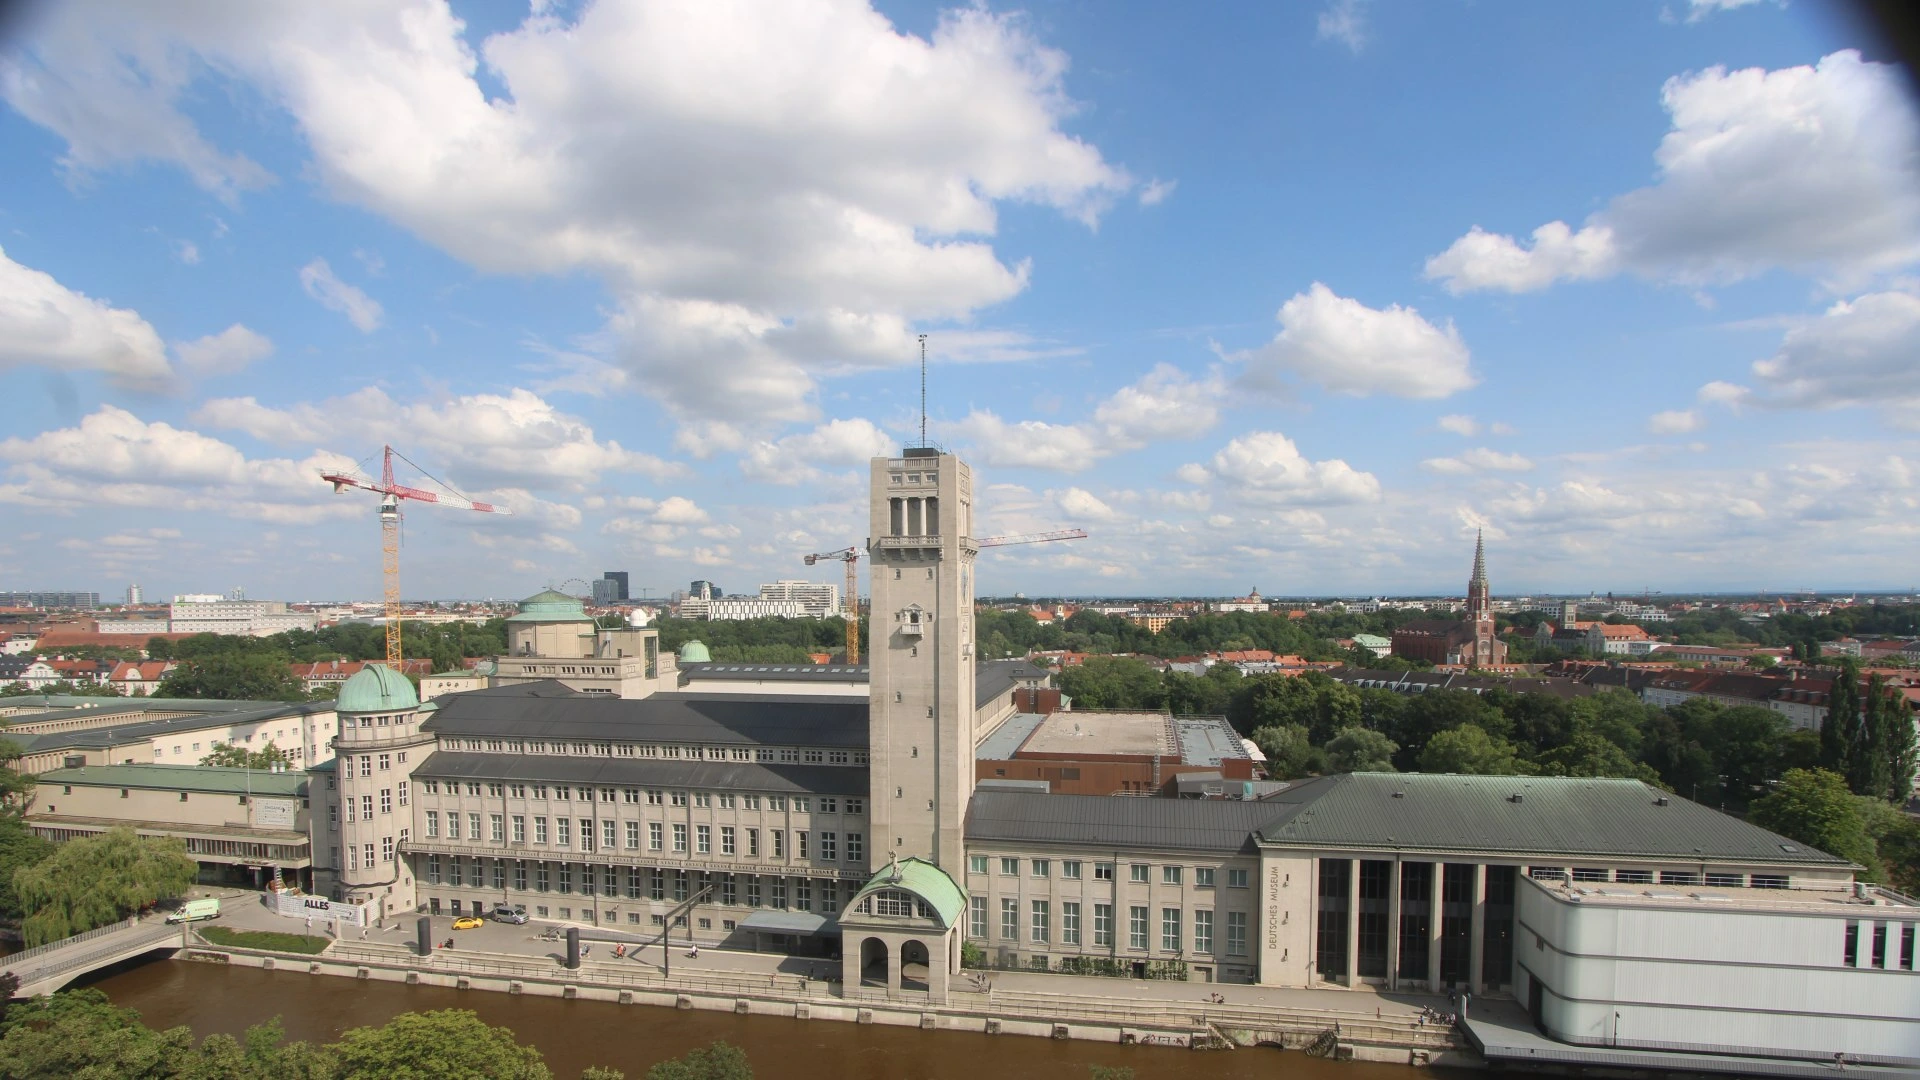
x: 576, y: 1034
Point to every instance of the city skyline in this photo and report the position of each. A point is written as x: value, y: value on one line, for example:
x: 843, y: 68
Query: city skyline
x: 1301, y: 297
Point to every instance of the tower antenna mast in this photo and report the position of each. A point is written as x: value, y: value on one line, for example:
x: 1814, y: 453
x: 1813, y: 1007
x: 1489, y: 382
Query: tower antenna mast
x: 923, y: 389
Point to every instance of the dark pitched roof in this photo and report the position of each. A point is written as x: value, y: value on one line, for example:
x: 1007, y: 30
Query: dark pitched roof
x: 807, y: 673
x: 991, y: 678
x: 748, y: 719
x: 1557, y: 816
x: 121, y: 734
x: 645, y: 772
x: 1132, y: 823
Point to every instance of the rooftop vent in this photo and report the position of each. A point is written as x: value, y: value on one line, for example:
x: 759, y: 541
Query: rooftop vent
x: 1662, y: 801
x: 1516, y: 797
x: 1399, y: 794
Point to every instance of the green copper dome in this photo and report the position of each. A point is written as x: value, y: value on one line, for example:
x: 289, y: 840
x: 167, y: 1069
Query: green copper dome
x: 376, y: 688
x: 550, y: 606
x: 694, y: 652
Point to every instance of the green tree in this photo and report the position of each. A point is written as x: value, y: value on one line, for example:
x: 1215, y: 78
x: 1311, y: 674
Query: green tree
x: 20, y: 846
x: 1902, y: 748
x: 1358, y: 749
x: 95, y: 880
x: 233, y: 677
x: 1870, y: 767
x: 448, y: 1044
x: 1588, y: 754
x: 79, y: 1034
x: 1896, y: 840
x: 228, y: 756
x: 1109, y: 1072
x: 1469, y: 749
x: 1840, y: 729
x: 720, y: 1061
x: 1289, y: 752
x: 1112, y: 682
x: 1815, y: 807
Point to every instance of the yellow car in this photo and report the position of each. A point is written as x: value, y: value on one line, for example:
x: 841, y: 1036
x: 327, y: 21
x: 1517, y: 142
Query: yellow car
x: 468, y: 922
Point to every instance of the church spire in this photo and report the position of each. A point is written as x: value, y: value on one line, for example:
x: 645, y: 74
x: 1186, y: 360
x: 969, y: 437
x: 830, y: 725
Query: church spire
x: 1479, y: 559
x: 1479, y: 600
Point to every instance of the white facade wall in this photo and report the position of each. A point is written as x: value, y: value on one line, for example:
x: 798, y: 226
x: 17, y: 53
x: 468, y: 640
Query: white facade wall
x: 820, y: 600
x: 750, y: 607
x: 1717, y: 976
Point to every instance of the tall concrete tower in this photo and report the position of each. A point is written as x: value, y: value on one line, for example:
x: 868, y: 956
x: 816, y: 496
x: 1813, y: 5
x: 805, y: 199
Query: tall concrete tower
x: 921, y: 651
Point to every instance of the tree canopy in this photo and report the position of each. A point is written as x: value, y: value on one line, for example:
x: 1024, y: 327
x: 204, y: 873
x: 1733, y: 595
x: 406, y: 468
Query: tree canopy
x: 94, y: 880
x: 719, y: 1061
x: 228, y: 756
x: 80, y: 1034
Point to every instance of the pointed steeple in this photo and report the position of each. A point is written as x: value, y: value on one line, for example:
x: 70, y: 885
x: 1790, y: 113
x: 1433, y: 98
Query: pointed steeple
x: 1479, y: 558
x: 1479, y: 598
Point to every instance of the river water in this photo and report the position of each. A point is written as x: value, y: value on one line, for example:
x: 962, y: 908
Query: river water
x: 575, y: 1034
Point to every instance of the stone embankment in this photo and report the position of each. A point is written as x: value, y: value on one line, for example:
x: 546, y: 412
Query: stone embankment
x: 1348, y: 1034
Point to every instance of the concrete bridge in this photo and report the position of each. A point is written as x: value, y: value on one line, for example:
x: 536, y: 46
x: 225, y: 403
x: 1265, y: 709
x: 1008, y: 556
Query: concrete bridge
x: 46, y: 968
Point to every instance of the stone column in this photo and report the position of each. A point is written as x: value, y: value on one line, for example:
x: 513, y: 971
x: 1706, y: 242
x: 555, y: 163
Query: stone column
x: 1353, y: 923
x: 893, y: 964
x: 1438, y: 890
x: 1393, y: 925
x: 1477, y: 941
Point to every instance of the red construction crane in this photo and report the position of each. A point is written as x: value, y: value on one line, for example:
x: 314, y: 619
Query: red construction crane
x: 390, y: 495
x: 851, y: 556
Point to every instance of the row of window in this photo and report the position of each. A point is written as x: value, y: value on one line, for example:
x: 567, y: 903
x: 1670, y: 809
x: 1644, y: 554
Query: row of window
x: 1666, y: 877
x: 801, y: 804
x: 361, y: 856
x: 1879, y: 940
x: 560, y: 832
x: 1138, y: 873
x: 641, y: 883
x: 1040, y: 928
x: 385, y: 762
x: 768, y: 755
x: 365, y: 804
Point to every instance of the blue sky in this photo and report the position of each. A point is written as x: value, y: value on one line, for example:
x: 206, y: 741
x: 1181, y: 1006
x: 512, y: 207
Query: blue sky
x: 1277, y: 295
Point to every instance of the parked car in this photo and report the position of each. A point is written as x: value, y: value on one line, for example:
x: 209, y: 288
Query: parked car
x: 516, y: 914
x: 469, y: 922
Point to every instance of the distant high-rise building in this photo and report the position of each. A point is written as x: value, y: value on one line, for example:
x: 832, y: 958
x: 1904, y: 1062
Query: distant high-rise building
x: 83, y: 600
x: 135, y: 596
x: 610, y: 588
x: 818, y: 601
x: 618, y: 581
x: 704, y: 590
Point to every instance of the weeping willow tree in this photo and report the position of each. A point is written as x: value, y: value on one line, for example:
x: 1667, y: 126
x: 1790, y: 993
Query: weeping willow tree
x: 96, y: 880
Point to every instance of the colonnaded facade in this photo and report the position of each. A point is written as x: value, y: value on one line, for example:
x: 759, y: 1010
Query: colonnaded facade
x: 836, y: 825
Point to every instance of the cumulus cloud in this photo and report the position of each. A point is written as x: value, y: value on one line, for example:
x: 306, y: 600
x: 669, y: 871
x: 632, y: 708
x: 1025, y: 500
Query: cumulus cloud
x: 1033, y: 444
x: 1157, y: 191
x: 1165, y: 403
x: 1864, y: 351
x: 750, y: 181
x: 1809, y: 168
x: 113, y: 458
x: 1344, y: 21
x: 45, y: 324
x: 1459, y: 424
x: 1479, y: 459
x: 799, y: 458
x: 229, y: 351
x: 515, y: 438
x: 1349, y: 348
x: 1676, y: 422
x: 1266, y: 466
x: 363, y: 311
x: 1080, y: 504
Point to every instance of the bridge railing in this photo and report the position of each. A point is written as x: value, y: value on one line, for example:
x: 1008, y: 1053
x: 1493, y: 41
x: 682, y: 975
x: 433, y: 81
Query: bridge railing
x: 55, y: 946
x: 60, y: 963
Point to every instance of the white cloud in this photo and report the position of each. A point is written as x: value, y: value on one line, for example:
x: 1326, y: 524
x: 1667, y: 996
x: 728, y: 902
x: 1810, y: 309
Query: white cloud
x: 1166, y: 403
x: 1676, y: 422
x: 1266, y: 466
x: 740, y: 175
x: 114, y: 459
x: 1459, y: 424
x: 1344, y: 21
x: 1700, y: 9
x: 363, y: 311
x: 1349, y: 348
x: 1156, y: 192
x: 1810, y: 168
x: 516, y: 438
x: 224, y: 353
x: 46, y: 324
x: 798, y: 459
x: 187, y: 252
x: 1082, y: 505
x: 1031, y: 444
x: 679, y: 510
x: 1731, y: 395
x: 1479, y: 459
x: 1864, y: 351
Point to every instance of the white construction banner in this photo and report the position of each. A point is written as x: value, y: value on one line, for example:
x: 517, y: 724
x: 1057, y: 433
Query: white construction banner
x: 274, y: 813
x: 301, y: 906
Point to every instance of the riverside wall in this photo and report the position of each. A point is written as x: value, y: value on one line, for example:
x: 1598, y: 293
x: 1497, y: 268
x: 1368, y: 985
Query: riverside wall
x: 1344, y: 1035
